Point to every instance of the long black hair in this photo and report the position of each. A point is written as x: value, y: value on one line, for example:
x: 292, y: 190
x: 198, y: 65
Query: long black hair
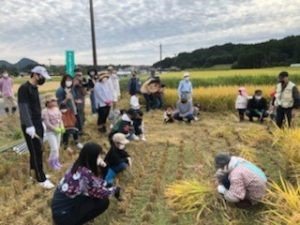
x: 88, y: 158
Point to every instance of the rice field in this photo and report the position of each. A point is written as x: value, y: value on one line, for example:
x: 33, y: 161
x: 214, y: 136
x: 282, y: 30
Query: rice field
x: 171, y: 181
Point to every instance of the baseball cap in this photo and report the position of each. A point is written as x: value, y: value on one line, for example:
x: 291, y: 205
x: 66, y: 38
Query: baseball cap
x: 120, y: 139
x: 222, y: 160
x: 41, y: 71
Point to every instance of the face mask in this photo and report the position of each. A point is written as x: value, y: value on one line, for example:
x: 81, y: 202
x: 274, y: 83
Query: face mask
x: 69, y: 83
x: 41, y: 80
x: 100, y: 162
x: 183, y: 101
x: 5, y: 75
x: 122, y: 147
x: 187, y: 78
x: 104, y: 79
x: 257, y: 97
x: 64, y: 110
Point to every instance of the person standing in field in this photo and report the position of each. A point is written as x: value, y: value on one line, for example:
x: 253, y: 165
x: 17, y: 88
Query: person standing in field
x: 52, y: 119
x: 257, y: 107
x: 240, y: 181
x: 79, y: 93
x: 185, y: 87
x: 115, y: 85
x: 134, y: 84
x: 93, y: 78
x: 103, y: 100
x: 286, y: 99
x: 64, y: 93
x: 241, y: 103
x: 6, y: 88
x: 31, y: 122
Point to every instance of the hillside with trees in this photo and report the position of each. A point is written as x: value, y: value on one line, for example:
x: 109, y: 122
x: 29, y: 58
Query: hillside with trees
x: 266, y: 54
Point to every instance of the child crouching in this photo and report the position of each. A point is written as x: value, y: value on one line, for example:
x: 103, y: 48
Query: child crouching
x: 117, y: 159
x: 168, y: 115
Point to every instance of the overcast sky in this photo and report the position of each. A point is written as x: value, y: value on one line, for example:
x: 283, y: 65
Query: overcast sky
x: 129, y: 31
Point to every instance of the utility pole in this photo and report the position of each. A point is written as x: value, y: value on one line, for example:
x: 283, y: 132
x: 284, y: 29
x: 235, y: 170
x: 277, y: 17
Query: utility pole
x: 93, y: 34
x: 49, y: 64
x: 160, y: 52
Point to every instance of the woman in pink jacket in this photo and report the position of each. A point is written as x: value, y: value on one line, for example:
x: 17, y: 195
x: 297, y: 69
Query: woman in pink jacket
x: 240, y: 181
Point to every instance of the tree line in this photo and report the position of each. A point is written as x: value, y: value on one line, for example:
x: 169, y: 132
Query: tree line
x: 267, y: 54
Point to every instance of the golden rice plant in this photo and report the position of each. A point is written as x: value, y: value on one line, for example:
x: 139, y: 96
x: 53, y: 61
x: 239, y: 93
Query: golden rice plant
x: 288, y: 141
x: 215, y: 98
x: 189, y: 196
x: 283, y: 200
x: 247, y: 153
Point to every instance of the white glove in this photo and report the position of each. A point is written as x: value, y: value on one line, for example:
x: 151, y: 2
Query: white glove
x: 129, y: 161
x: 31, y: 131
x: 100, y: 162
x: 221, y: 189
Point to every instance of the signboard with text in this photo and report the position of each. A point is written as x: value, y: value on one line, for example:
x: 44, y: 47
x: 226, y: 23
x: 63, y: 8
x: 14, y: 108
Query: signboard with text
x: 70, y: 62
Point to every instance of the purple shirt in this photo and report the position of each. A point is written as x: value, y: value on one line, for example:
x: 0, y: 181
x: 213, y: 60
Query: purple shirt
x: 84, y: 182
x: 6, y: 87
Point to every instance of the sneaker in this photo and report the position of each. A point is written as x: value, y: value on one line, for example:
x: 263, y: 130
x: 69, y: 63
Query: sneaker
x: 143, y: 138
x: 196, y: 118
x: 79, y: 145
x: 47, y: 184
x: 135, y: 138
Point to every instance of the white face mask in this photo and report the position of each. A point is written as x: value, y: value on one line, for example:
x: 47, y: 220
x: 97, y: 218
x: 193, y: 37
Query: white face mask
x: 122, y: 147
x: 69, y: 83
x: 5, y: 75
x: 104, y: 79
x: 187, y: 78
x: 100, y: 162
x: 258, y: 97
x: 64, y: 110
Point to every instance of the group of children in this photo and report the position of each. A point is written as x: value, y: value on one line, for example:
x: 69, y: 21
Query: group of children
x: 60, y: 123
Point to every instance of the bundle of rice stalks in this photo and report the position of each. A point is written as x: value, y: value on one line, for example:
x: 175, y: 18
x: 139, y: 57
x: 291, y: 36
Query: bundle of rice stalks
x: 189, y: 196
x: 284, y: 202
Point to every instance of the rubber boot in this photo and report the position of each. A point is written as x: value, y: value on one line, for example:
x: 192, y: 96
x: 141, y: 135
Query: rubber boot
x: 6, y: 110
x: 14, y: 109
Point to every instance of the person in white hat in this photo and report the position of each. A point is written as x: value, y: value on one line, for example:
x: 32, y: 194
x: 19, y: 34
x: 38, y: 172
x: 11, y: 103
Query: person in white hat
x: 185, y: 87
x: 31, y: 121
x: 103, y: 100
x: 117, y: 159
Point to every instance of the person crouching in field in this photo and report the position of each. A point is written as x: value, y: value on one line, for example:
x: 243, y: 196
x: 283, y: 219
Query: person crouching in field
x: 82, y: 194
x: 241, y: 103
x: 257, y: 107
x: 125, y: 126
x: 138, y: 122
x: 168, y: 115
x: 52, y: 118
x: 240, y: 181
x: 117, y: 159
x: 184, y: 110
x: 69, y: 122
